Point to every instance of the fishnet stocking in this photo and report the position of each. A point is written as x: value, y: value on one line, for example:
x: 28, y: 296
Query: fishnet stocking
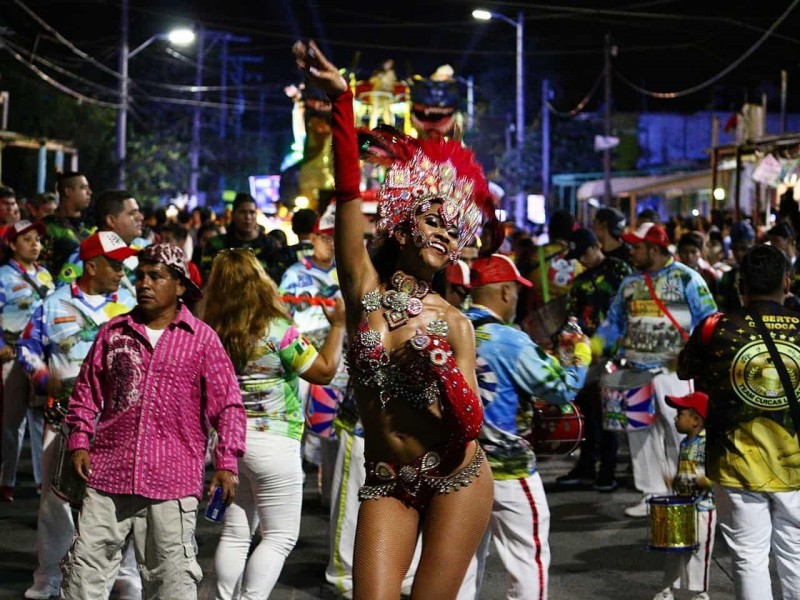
x: 452, y: 527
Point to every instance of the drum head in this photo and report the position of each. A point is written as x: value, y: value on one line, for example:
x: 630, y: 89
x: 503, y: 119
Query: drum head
x: 627, y: 378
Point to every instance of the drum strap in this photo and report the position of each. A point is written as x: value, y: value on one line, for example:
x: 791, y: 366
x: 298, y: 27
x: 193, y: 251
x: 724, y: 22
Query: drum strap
x: 484, y: 320
x: 786, y: 381
x: 663, y: 308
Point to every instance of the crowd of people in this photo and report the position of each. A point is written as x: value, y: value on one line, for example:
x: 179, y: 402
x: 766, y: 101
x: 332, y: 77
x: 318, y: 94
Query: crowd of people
x: 140, y: 352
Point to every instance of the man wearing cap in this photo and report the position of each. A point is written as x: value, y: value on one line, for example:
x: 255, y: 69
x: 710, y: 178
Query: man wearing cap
x: 511, y: 372
x: 304, y: 287
x: 153, y: 383
x: 243, y: 232
x: 651, y: 315
x: 24, y: 283
x: 589, y: 299
x: 747, y: 361
x: 53, y: 345
x: 608, y: 225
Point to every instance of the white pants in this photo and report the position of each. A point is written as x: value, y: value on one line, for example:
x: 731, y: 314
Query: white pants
x: 348, y: 476
x: 55, y: 530
x: 752, y: 523
x: 270, y: 495
x: 690, y: 570
x: 654, y: 450
x: 520, y: 529
x: 17, y: 412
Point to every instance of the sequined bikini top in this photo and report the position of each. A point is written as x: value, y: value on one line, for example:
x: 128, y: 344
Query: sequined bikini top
x: 370, y: 365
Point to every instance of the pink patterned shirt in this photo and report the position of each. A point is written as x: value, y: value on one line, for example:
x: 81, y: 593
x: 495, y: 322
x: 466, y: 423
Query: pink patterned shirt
x: 155, y: 408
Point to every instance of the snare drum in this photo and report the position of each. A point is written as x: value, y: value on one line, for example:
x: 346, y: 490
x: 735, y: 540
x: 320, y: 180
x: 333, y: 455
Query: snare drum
x: 67, y: 484
x: 673, y: 523
x: 629, y: 399
x: 556, y: 429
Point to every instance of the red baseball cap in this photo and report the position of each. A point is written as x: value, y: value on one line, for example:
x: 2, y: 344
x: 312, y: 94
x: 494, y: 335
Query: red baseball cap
x: 648, y: 232
x: 495, y: 268
x: 105, y: 243
x: 457, y: 273
x: 325, y: 223
x: 23, y: 226
x: 696, y: 400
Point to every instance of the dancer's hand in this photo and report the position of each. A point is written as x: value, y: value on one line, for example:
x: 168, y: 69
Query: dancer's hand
x: 319, y: 69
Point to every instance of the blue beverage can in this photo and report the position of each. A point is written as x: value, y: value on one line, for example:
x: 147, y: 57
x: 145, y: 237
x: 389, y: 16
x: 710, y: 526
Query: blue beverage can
x: 215, y: 511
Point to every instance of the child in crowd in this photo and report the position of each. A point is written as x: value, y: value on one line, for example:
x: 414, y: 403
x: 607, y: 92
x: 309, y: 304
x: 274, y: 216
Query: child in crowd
x: 690, y: 569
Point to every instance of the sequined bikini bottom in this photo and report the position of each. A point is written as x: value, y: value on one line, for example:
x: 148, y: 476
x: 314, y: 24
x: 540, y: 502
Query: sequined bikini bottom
x: 417, y: 482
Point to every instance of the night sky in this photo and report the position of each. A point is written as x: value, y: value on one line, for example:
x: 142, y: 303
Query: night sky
x: 661, y: 46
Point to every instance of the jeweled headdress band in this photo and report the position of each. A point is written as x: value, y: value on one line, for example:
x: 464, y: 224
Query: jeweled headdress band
x: 425, y: 170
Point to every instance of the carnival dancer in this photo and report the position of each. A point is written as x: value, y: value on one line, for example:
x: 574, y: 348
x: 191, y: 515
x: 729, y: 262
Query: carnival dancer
x: 411, y: 355
x: 24, y: 283
x: 512, y: 370
x: 243, y: 306
x: 746, y: 360
x: 651, y: 315
x: 52, y: 348
x: 691, y: 569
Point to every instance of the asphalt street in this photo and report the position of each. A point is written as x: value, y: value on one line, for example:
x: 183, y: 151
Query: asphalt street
x: 597, y: 552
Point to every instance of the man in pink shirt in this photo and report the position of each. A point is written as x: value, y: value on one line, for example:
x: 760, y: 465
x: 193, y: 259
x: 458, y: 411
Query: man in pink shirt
x: 155, y: 381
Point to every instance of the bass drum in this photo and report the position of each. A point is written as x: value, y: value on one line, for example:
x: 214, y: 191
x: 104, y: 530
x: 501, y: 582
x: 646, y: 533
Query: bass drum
x: 629, y: 399
x: 556, y: 429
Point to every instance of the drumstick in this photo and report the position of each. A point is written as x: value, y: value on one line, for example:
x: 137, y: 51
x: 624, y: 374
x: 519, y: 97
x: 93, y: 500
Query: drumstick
x: 313, y: 301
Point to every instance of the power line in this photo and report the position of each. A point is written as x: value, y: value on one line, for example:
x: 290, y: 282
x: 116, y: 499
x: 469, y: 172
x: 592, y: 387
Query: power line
x: 582, y: 104
x: 66, y: 42
x: 718, y: 76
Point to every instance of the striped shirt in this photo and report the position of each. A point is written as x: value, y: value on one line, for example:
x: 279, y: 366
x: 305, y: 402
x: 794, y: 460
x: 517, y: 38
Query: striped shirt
x: 155, y: 407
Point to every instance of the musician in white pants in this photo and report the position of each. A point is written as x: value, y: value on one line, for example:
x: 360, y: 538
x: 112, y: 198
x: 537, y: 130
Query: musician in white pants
x: 651, y: 316
x: 511, y: 370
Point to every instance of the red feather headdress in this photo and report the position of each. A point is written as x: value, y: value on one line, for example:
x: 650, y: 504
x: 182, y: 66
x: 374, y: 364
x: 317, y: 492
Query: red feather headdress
x: 425, y: 170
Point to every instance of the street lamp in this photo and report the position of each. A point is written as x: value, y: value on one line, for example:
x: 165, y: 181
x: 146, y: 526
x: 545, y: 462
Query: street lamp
x: 519, y: 25
x: 178, y: 37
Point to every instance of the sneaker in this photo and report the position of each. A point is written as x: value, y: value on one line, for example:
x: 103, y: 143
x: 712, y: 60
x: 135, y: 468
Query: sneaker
x: 665, y: 594
x: 701, y: 596
x: 576, y: 477
x: 6, y: 493
x: 639, y: 510
x: 603, y: 484
x: 37, y: 592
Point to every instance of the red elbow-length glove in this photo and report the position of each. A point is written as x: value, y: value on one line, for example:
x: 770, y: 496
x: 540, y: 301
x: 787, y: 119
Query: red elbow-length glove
x: 346, y: 166
x: 462, y: 407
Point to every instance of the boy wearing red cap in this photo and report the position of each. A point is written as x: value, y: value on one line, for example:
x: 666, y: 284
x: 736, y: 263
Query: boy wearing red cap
x: 690, y: 570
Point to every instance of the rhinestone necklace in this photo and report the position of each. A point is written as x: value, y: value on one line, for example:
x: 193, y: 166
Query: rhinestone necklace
x: 402, y: 300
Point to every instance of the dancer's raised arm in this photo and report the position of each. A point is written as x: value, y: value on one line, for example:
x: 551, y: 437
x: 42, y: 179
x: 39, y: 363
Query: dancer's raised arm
x: 356, y: 272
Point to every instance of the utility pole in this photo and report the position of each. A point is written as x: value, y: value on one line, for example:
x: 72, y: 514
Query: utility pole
x: 194, y: 152
x: 607, y: 123
x: 545, y: 140
x: 122, y: 113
